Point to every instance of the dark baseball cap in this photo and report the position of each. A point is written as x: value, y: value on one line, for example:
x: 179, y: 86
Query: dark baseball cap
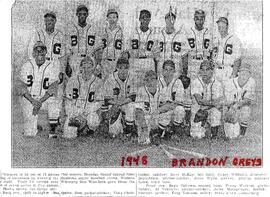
x: 199, y: 12
x: 81, y: 7
x: 50, y: 14
x: 223, y: 19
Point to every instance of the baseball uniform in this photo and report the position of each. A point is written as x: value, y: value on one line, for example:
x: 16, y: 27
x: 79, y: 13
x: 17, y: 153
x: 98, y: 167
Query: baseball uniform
x: 213, y: 90
x: 84, y: 98
x: 226, y: 51
x: 38, y: 81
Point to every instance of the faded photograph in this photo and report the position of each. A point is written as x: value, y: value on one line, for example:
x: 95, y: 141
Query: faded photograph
x: 123, y: 83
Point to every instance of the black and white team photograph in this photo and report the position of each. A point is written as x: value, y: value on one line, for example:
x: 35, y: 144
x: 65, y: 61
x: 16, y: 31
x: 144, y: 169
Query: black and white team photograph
x: 144, y: 84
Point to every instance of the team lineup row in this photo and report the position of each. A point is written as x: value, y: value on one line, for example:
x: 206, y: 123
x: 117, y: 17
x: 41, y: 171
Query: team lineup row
x: 157, y: 87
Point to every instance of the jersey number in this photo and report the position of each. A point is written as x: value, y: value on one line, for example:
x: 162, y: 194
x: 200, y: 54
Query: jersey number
x: 46, y: 83
x: 177, y: 47
x: 104, y: 42
x: 150, y: 44
x: 228, y: 49
x: 91, y: 40
x: 91, y: 96
x: 29, y: 80
x: 118, y: 44
x: 191, y: 42
x: 56, y: 48
x: 74, y: 40
x: 161, y: 46
x: 206, y: 43
x: 75, y: 94
x: 134, y: 44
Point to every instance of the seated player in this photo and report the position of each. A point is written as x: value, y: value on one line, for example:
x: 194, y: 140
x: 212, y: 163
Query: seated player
x: 208, y: 95
x: 119, y: 97
x: 38, y: 86
x: 84, y: 99
x: 240, y: 96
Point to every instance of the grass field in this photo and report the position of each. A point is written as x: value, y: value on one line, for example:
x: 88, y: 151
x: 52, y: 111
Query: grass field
x: 97, y: 152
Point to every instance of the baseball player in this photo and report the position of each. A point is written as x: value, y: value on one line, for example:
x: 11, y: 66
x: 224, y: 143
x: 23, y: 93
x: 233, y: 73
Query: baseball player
x: 113, y: 43
x: 227, y: 52
x: 208, y: 94
x: 51, y: 37
x: 83, y: 40
x: 240, y: 96
x: 39, y: 80
x: 84, y: 99
x: 172, y: 43
x: 119, y: 96
x: 144, y: 48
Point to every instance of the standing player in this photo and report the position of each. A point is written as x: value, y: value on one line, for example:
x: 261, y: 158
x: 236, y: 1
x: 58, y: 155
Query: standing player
x: 228, y: 52
x: 39, y: 80
x: 144, y: 49
x: 240, y: 96
x: 113, y: 43
x: 51, y: 37
x: 172, y: 43
x: 119, y: 95
x: 84, y: 93
x: 83, y: 40
x: 208, y: 94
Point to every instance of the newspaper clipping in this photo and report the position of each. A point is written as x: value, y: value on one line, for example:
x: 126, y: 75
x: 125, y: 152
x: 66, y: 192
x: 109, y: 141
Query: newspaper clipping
x: 123, y: 98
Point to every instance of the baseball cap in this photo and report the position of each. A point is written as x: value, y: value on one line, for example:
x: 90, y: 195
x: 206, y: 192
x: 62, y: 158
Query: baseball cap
x: 111, y: 11
x: 41, y: 45
x: 223, y: 19
x: 51, y: 14
x: 246, y: 67
x: 199, y: 12
x: 81, y: 7
x: 170, y: 14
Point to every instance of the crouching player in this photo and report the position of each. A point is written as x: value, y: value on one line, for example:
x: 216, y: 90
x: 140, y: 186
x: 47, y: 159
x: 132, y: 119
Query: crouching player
x: 38, y: 87
x: 84, y: 99
x: 119, y: 97
x: 240, y: 96
x: 207, y: 95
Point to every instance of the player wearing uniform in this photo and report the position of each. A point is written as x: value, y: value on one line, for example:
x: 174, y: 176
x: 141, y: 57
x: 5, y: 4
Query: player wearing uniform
x: 119, y: 97
x: 208, y: 94
x: 240, y: 96
x: 172, y: 43
x: 39, y: 80
x: 83, y: 40
x: 227, y: 50
x: 144, y: 48
x: 51, y: 37
x: 113, y: 43
x: 84, y: 99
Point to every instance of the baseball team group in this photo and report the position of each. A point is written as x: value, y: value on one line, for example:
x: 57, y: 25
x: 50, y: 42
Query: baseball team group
x: 182, y: 81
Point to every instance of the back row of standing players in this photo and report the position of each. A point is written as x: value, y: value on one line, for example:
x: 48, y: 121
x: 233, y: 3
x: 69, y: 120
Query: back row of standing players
x: 187, y: 48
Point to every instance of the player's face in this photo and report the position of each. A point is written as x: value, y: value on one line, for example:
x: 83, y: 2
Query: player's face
x: 151, y: 83
x: 169, y: 21
x: 199, y: 20
x: 112, y: 19
x: 145, y: 20
x: 243, y: 75
x: 40, y: 56
x: 123, y: 71
x: 87, y: 69
x: 82, y: 16
x: 168, y: 71
x: 206, y: 73
x: 222, y: 28
x: 49, y: 22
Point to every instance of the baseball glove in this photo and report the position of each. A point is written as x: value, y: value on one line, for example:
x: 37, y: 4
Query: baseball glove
x: 201, y: 116
x: 185, y: 81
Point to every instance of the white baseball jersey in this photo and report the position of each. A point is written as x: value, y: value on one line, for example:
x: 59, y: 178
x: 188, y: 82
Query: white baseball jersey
x: 227, y: 49
x: 235, y: 93
x: 38, y: 79
x: 198, y: 41
x: 113, y: 43
x: 174, y: 91
x: 172, y: 46
x: 83, y: 92
x: 213, y: 90
x: 147, y: 101
x: 116, y: 88
x: 83, y: 40
x: 54, y: 43
x: 143, y: 40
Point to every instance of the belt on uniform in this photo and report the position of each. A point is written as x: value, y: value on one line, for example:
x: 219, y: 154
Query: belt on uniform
x: 83, y: 55
x: 47, y: 58
x: 110, y: 59
x: 197, y: 58
x: 222, y: 67
x: 143, y: 57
